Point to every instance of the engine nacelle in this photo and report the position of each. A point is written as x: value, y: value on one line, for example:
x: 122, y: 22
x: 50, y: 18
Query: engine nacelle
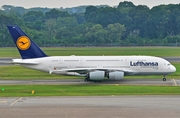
x: 116, y: 75
x: 96, y: 75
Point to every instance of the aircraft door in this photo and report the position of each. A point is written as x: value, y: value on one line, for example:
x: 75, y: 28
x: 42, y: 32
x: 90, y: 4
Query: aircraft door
x: 61, y: 61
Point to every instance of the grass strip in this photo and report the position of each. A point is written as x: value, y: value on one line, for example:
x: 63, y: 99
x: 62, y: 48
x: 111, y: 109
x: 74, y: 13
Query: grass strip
x: 85, y: 90
x: 21, y: 73
x: 107, y: 51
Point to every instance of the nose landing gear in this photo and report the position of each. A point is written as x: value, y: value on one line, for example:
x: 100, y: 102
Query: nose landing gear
x: 164, y: 78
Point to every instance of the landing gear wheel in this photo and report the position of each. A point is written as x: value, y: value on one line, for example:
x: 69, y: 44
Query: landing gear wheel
x: 86, y: 79
x: 164, y: 79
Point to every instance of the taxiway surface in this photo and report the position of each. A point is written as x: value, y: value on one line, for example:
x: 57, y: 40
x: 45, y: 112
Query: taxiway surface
x: 159, y: 82
x: 91, y: 107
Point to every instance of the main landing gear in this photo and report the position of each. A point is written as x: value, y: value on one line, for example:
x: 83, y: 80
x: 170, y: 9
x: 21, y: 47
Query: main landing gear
x: 164, y: 78
x: 86, y: 79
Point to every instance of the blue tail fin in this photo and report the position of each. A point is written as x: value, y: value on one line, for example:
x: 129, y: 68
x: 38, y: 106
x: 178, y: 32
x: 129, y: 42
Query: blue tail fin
x: 27, y: 48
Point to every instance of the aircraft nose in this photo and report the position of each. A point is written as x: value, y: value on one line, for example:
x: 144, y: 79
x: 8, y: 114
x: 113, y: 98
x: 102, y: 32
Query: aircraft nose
x: 173, y: 69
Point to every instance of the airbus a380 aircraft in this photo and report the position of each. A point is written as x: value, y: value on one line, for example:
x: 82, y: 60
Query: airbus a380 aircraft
x: 93, y: 68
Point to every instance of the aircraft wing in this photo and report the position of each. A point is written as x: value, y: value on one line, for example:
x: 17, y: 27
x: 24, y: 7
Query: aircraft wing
x: 86, y: 70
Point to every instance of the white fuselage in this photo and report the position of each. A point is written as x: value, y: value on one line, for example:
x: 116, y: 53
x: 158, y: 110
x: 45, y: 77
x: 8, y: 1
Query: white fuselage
x: 94, y: 68
x: 130, y: 65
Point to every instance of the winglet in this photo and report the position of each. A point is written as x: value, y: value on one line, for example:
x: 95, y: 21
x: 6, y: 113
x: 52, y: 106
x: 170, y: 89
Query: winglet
x: 26, y: 47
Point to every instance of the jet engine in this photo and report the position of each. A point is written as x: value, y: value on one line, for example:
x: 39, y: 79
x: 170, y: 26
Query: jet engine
x: 96, y: 75
x: 116, y: 75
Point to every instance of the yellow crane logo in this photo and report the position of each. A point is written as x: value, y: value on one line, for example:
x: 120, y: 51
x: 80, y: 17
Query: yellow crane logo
x: 23, y: 43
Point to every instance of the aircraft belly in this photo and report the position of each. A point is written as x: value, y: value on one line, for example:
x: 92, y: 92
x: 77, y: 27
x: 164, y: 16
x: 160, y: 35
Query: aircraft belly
x: 37, y: 67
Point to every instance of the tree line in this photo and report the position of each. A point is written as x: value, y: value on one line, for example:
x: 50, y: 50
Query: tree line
x: 124, y: 25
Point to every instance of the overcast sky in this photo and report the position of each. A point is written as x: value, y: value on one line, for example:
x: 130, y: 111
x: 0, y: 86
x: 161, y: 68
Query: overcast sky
x: 74, y: 3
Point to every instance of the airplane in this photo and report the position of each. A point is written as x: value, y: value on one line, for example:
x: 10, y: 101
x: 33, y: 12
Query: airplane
x: 92, y: 68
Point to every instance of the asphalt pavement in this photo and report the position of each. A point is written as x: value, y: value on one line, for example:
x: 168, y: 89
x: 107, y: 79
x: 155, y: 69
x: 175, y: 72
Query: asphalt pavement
x: 158, y: 82
x: 91, y: 107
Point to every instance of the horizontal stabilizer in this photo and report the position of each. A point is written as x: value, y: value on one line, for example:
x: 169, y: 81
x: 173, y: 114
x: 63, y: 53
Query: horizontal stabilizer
x: 26, y: 62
